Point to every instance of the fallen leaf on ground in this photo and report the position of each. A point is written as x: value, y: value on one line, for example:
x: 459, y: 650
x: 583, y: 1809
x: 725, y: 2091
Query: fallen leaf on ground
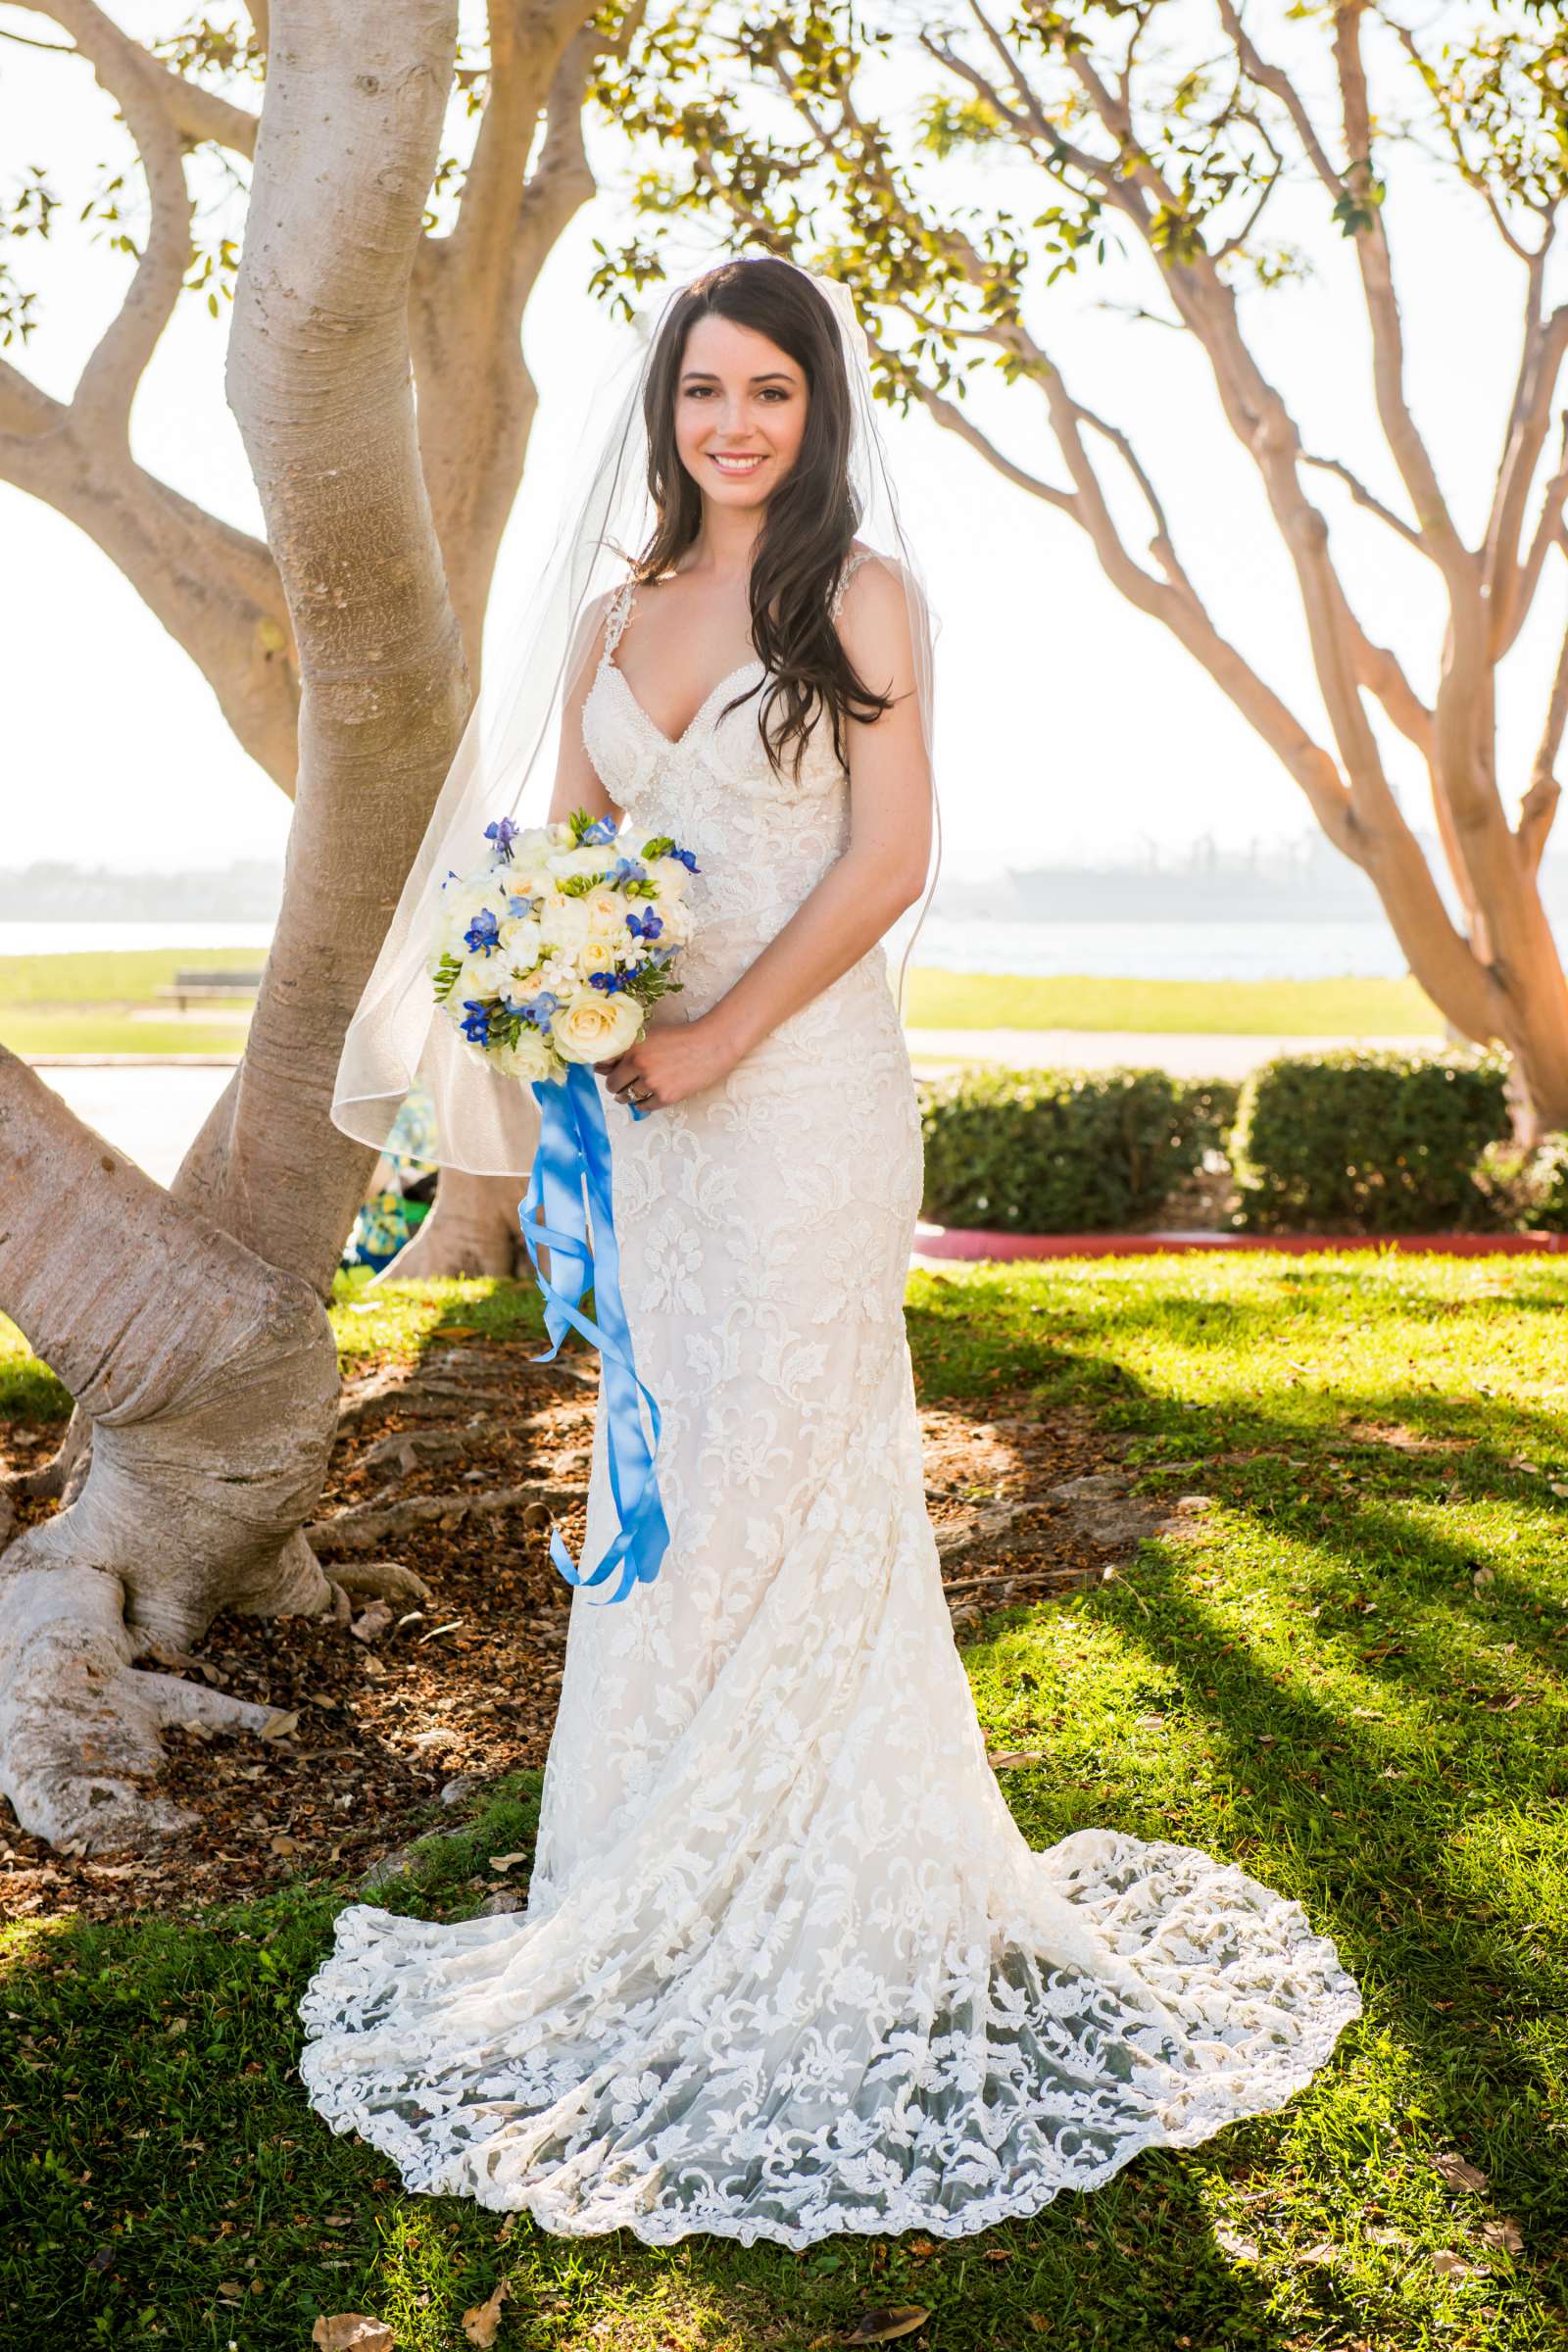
x: 372, y: 1621
x: 1009, y: 1758
x: 352, y: 2331
x: 506, y: 1861
x: 480, y: 2324
x: 885, y: 2326
x: 1505, y: 2235
x: 280, y: 1726
x: 1460, y: 2174
x: 1455, y: 2266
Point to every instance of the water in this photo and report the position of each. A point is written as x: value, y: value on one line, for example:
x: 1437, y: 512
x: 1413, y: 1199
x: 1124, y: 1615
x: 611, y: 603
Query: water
x: 1145, y: 951
x: 1211, y: 950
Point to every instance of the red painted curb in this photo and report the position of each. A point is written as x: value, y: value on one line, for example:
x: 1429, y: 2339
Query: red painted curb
x: 968, y: 1242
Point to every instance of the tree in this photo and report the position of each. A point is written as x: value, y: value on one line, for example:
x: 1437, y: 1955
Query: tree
x: 487, y: 231
x: 1156, y: 135
x: 191, y: 1325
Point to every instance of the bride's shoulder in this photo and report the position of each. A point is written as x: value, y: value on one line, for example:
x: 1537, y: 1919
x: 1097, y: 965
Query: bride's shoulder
x: 870, y: 603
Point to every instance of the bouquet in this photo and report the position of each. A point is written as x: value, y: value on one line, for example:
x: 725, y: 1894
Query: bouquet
x: 552, y: 951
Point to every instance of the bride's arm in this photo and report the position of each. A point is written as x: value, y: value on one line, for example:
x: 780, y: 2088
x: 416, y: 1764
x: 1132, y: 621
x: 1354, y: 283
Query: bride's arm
x: 882, y: 870
x: 577, y: 782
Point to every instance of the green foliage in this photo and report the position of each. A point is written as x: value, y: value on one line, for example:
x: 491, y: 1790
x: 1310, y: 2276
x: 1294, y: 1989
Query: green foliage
x: 1527, y: 1188
x: 1064, y: 1151
x: 1368, y: 1142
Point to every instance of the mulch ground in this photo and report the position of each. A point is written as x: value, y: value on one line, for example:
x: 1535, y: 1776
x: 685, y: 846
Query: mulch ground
x: 397, y: 1700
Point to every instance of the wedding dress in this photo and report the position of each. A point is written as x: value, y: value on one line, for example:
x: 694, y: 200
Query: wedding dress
x: 787, y: 1965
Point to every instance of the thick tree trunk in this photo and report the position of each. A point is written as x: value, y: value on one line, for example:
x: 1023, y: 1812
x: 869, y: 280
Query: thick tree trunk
x: 196, y: 1344
x: 473, y: 1229
x: 210, y: 1383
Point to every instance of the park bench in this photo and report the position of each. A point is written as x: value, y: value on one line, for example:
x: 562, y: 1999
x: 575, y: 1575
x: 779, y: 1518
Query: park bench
x: 201, y: 987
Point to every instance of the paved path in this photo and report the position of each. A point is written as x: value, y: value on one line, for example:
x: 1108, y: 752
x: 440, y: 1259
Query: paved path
x: 154, y: 1109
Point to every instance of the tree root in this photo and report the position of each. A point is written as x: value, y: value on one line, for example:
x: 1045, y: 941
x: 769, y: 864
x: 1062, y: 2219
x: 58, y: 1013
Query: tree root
x: 78, y: 1726
x: 358, y: 1530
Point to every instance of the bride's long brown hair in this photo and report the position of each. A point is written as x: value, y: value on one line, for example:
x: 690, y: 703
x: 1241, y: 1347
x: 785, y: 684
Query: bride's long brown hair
x: 809, y: 524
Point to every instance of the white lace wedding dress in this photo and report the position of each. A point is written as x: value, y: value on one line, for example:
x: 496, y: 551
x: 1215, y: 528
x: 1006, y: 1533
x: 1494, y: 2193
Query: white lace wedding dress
x: 787, y: 1965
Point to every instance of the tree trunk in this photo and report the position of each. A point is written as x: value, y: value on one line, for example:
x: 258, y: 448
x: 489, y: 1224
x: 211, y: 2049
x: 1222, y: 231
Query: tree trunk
x: 197, y: 1344
x: 473, y: 1229
x: 210, y: 1383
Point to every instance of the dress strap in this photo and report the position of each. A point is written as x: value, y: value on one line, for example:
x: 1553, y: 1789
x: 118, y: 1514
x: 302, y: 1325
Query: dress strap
x: 619, y: 614
x: 856, y: 557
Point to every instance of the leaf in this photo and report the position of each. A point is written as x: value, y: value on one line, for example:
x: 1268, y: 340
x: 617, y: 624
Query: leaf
x: 480, y: 2324
x: 372, y: 1621
x: 1505, y: 2235
x: 352, y: 2331
x: 1008, y: 1759
x: 884, y: 2325
x: 1460, y: 2174
x: 280, y: 1726
x: 1453, y: 2266
x: 506, y: 1861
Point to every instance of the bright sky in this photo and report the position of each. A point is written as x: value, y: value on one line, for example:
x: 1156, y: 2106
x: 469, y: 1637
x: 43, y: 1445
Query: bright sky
x: 1069, y: 725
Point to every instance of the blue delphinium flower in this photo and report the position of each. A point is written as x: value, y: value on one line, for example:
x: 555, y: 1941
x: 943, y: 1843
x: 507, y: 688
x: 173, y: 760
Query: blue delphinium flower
x: 520, y: 905
x: 602, y: 829
x: 625, y: 870
x: 609, y: 982
x: 686, y: 858
x: 536, y: 1010
x: 483, y: 934
x: 644, y: 926
x: 475, y: 1021
x: 503, y: 833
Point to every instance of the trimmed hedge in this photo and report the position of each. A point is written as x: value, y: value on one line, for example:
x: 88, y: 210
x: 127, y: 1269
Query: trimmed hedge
x: 1360, y: 1141
x: 1064, y: 1151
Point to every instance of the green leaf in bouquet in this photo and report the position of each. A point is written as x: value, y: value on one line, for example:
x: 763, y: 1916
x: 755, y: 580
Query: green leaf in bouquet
x: 660, y: 847
x: 446, y: 973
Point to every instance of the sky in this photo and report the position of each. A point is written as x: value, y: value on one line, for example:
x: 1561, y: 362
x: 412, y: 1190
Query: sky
x: 1069, y: 726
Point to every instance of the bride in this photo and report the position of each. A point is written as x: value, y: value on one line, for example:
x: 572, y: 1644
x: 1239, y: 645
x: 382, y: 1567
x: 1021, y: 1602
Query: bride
x: 787, y: 1966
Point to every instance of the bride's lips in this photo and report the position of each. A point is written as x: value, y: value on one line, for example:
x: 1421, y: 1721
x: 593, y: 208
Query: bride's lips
x: 738, y: 465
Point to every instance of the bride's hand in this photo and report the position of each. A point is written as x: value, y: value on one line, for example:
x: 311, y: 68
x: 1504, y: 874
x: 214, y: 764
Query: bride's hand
x: 667, y: 1065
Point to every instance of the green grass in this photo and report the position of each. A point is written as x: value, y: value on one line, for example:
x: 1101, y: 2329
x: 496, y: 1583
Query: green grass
x: 109, y: 1003
x: 114, y: 976
x: 1350, y: 1675
x: 1345, y: 1008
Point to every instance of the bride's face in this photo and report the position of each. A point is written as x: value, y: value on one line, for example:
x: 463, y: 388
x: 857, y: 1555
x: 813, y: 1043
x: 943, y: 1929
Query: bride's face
x: 740, y: 411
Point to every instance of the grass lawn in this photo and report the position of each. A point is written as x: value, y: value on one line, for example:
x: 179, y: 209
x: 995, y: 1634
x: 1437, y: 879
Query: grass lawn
x: 1349, y: 1672
x: 108, y: 1003
x: 936, y: 1000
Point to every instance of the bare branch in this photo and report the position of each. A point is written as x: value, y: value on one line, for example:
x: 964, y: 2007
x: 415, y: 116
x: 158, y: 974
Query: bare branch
x: 1510, y: 585
x: 137, y: 85
x: 1279, y: 85
x: 1364, y: 497
x: 1538, y: 807
x: 1409, y: 451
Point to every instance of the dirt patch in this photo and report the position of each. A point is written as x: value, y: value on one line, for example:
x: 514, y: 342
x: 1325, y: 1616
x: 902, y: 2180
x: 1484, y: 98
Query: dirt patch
x: 450, y: 1469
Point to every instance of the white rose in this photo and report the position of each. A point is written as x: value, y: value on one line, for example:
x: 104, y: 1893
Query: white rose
x: 522, y: 942
x: 564, y: 923
x: 671, y: 877
x: 596, y: 956
x: 480, y: 976
x: 530, y: 1058
x: 607, y: 911
x: 596, y: 1025
x: 677, y: 923
x: 589, y: 857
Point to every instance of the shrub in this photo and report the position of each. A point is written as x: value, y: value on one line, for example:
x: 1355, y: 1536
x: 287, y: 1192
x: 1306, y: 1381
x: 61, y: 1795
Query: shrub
x: 1527, y: 1188
x: 1064, y: 1151
x: 1360, y: 1141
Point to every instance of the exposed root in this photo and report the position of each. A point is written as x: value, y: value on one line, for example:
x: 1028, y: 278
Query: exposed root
x: 382, y: 1579
x: 79, y: 1724
x: 359, y: 1530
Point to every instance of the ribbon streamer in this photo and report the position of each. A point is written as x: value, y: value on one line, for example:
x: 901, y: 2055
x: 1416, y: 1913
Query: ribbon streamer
x: 569, y: 1183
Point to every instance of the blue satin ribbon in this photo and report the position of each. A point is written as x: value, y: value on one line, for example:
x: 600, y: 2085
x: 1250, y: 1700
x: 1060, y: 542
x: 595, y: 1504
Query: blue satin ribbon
x: 571, y: 1180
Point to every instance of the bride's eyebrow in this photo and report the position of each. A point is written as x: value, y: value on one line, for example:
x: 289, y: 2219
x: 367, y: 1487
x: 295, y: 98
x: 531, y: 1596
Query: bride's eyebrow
x: 704, y: 376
